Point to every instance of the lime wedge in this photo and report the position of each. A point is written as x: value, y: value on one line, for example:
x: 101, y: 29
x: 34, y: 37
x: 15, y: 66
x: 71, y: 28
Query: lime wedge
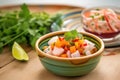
x: 19, y: 53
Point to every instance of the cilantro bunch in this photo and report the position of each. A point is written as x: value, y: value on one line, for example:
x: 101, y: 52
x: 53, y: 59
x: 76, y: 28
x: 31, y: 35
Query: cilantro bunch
x: 24, y: 27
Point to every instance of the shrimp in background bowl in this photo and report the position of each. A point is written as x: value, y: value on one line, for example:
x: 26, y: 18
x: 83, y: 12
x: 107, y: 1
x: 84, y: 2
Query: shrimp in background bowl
x: 103, y: 22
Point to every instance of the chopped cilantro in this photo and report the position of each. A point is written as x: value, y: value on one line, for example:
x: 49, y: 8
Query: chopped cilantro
x: 72, y: 35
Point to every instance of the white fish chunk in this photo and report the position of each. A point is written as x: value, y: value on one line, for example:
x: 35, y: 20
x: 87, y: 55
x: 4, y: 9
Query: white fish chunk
x: 57, y: 51
x: 88, y: 53
x: 52, y: 40
x: 75, y: 54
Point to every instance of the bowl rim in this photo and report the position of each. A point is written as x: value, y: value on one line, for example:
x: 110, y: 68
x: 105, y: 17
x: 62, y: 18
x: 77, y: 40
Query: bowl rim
x: 42, y: 54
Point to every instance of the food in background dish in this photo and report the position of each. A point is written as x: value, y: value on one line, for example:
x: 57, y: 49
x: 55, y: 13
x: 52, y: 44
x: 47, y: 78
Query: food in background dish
x: 72, y: 44
x: 101, y: 21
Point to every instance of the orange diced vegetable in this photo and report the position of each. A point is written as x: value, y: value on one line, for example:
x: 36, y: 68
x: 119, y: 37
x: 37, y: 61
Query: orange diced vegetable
x: 58, y: 43
x: 81, y: 41
x: 64, y: 42
x: 72, y: 49
x: 61, y: 42
x: 63, y: 55
x: 77, y: 45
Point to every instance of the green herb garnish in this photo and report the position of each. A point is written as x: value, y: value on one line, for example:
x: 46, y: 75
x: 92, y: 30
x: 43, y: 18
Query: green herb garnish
x: 97, y: 9
x: 102, y: 18
x: 72, y: 35
x: 92, y: 17
x: 23, y: 26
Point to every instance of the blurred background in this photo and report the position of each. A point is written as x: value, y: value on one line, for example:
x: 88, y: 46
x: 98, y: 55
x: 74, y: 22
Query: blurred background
x: 81, y: 3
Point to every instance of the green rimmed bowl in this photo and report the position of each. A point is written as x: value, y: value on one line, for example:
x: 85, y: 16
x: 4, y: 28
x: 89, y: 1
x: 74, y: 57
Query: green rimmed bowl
x: 69, y: 66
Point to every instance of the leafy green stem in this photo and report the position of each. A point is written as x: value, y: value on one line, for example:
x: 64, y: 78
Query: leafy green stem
x: 13, y: 38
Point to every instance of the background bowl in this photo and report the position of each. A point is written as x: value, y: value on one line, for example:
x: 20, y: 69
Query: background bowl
x: 69, y: 66
x: 103, y: 35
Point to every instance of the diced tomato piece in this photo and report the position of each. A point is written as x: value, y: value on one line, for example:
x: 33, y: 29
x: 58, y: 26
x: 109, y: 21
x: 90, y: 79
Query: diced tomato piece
x: 75, y: 40
x: 61, y: 38
x: 66, y: 48
x: 85, y: 44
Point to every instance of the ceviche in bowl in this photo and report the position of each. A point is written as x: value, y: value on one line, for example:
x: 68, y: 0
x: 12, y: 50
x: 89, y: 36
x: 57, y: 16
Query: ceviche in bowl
x: 70, y: 46
x: 68, y: 52
x: 101, y: 21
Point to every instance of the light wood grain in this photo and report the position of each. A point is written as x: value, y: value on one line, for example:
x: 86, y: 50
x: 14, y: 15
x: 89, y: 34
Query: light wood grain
x: 6, y: 55
x: 107, y: 69
x: 11, y: 69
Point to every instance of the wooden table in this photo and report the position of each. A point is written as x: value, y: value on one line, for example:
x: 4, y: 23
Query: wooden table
x: 11, y: 69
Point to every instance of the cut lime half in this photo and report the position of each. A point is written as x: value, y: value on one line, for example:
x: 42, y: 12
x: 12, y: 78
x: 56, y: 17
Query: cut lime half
x: 19, y: 53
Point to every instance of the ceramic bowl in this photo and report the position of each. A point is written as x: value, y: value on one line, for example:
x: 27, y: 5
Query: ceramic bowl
x: 69, y: 66
x: 103, y: 33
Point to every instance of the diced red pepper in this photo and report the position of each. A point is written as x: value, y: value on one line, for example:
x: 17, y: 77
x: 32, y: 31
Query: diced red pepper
x: 85, y: 44
x: 75, y: 40
x: 61, y: 38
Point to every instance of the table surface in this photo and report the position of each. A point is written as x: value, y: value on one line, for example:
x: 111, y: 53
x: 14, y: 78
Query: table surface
x: 107, y: 69
x: 11, y: 69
